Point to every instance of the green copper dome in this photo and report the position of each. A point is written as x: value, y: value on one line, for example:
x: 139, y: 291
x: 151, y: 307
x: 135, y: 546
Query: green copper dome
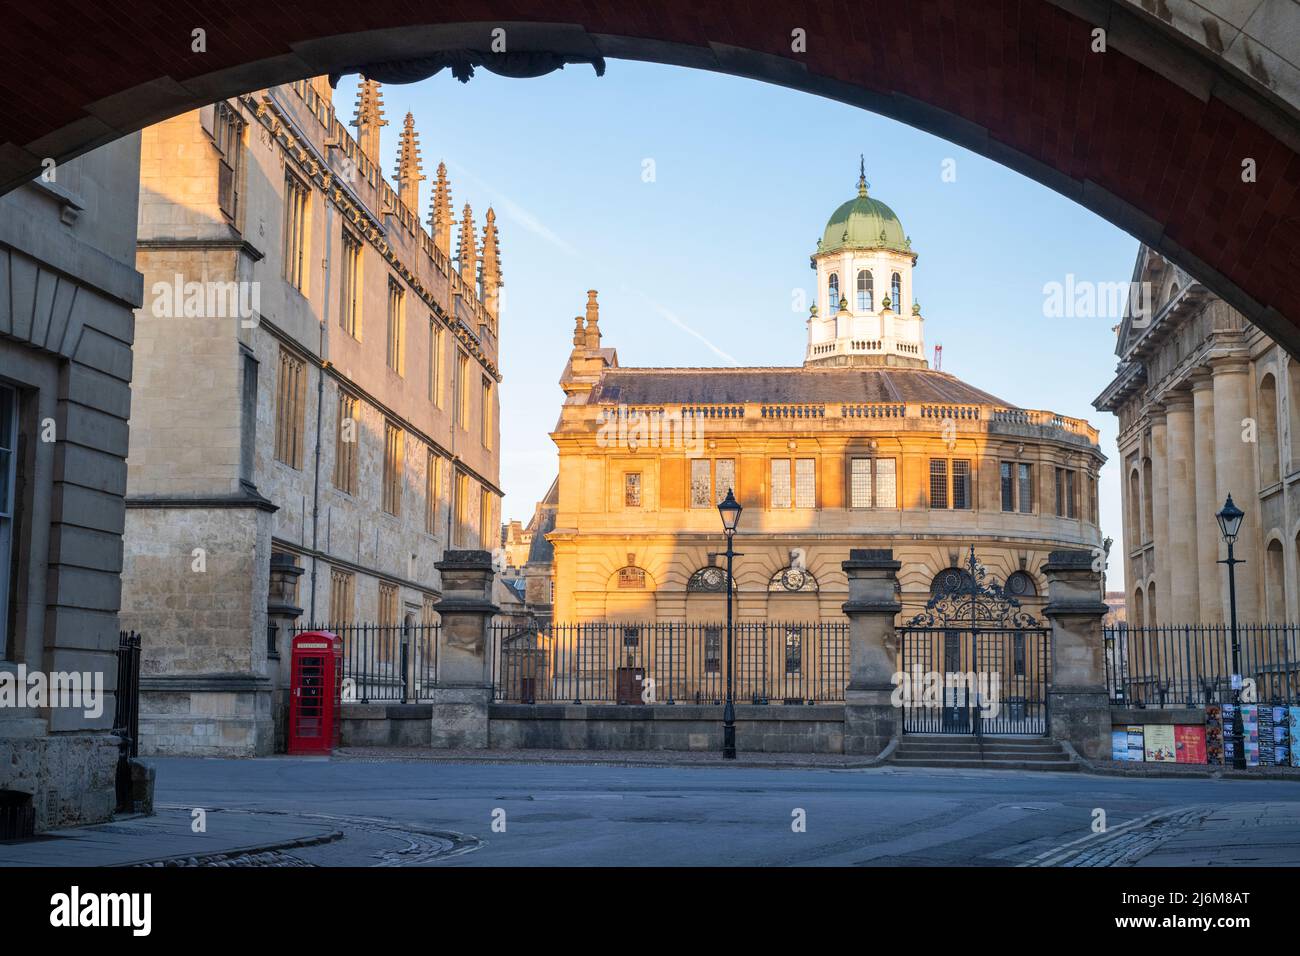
x: 864, y: 223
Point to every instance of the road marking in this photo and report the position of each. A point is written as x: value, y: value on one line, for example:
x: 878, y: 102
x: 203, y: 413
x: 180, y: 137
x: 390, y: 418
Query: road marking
x: 1060, y: 853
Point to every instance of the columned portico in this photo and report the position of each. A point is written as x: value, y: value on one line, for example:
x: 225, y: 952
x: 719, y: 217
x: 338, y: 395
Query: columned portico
x: 1236, y: 472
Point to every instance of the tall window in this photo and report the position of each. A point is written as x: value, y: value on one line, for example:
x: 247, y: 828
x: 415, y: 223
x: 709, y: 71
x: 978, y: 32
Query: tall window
x: 833, y: 294
x: 713, y: 650
x: 802, y: 493
x: 342, y: 596
x: 938, y: 483
x: 435, y: 362
x: 350, y: 291
x: 228, y: 134
x: 1067, y: 500
x: 781, y: 483
x: 290, y: 409
x: 461, y: 509
x: 462, y: 389
x: 724, y: 478
x: 388, y: 604
x: 950, y: 483
x: 8, y: 505
x: 860, y: 483
x: 960, y: 483
x: 432, y: 491
x: 296, y: 199
x: 485, y: 535
x: 866, y: 291
x: 896, y: 292
x: 632, y: 489
x: 396, y: 326
x: 701, y: 483
x: 345, y: 444
x: 1017, y: 487
x: 392, y: 469
x: 487, y: 412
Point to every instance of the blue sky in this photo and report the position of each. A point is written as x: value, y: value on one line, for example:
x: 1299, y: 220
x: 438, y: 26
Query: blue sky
x: 698, y: 267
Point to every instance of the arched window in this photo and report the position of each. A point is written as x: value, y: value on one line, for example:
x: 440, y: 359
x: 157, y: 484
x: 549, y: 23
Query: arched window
x: 866, y: 291
x: 1274, y: 582
x: 1021, y: 585
x: 950, y: 580
x: 1148, y: 507
x: 1137, y: 614
x: 896, y: 293
x: 1267, y: 437
x: 833, y: 294
x: 1134, y: 510
x: 792, y: 579
x: 1151, y: 605
x: 708, y: 580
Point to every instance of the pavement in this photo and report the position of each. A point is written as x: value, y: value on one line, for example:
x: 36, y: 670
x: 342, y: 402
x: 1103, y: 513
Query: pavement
x: 367, y: 810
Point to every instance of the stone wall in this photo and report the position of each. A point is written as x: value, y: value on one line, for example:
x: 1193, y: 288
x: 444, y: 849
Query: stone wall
x: 773, y: 729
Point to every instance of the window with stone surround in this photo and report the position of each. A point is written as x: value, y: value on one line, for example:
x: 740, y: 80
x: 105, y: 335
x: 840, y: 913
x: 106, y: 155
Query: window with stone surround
x: 297, y: 200
x: 396, y: 327
x: 346, y: 434
x: 435, y: 362
x: 388, y: 604
x: 950, y: 483
x: 833, y: 294
x: 392, y: 468
x: 866, y: 291
x: 632, y: 489
x: 487, y: 413
x: 432, y: 491
x: 780, y: 488
x: 228, y: 135
x: 1017, y: 487
x: 350, y: 290
x: 461, y: 505
x: 1025, y: 493
x: 342, y: 596
x: 290, y: 409
x: 462, y: 389
x: 701, y: 483
x: 485, y: 536
x: 864, y: 492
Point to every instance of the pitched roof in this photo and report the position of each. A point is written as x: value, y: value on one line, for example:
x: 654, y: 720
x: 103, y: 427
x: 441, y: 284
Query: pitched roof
x: 711, y: 386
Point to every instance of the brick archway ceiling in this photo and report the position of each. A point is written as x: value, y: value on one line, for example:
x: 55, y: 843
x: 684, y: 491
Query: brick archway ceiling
x: 1151, y: 135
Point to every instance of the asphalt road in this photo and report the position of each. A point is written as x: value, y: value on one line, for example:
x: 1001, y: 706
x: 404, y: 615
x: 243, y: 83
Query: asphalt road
x: 548, y: 815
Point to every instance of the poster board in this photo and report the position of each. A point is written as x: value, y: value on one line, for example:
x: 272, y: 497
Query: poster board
x: 1214, y: 751
x: 1159, y: 743
x: 1189, y: 743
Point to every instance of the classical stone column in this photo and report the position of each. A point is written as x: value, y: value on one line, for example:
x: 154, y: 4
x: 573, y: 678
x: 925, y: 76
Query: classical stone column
x: 464, y: 687
x: 1207, y: 500
x: 871, y: 720
x: 1160, y: 511
x: 1077, y: 705
x: 282, y: 612
x: 1235, y: 474
x: 1181, y: 559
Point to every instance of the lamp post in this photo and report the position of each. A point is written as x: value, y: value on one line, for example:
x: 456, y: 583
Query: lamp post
x: 1229, y: 524
x: 729, y: 508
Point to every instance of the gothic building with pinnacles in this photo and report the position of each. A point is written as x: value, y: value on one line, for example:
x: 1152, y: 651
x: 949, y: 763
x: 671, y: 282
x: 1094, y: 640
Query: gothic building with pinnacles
x: 310, y: 453
x: 862, y: 446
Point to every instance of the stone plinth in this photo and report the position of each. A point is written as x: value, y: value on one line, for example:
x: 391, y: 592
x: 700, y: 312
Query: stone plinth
x: 461, y: 696
x: 1078, y: 708
x: 871, y: 720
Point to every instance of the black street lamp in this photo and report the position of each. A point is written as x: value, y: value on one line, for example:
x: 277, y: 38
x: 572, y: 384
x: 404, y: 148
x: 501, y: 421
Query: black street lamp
x: 729, y: 508
x: 1229, y: 524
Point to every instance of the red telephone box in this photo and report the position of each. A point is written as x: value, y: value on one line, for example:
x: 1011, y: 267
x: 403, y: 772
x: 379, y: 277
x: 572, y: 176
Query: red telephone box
x: 314, y: 700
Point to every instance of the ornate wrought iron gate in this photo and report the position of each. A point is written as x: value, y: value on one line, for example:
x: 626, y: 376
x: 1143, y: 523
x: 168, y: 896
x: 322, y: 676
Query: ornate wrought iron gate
x: 973, y: 661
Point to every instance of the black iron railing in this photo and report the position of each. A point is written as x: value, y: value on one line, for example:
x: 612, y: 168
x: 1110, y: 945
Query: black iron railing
x: 385, y: 661
x: 670, y: 663
x: 126, y: 715
x: 1190, y: 665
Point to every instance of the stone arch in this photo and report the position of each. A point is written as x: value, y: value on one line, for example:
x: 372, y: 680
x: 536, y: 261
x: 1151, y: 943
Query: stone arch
x: 895, y: 69
x: 1274, y: 580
